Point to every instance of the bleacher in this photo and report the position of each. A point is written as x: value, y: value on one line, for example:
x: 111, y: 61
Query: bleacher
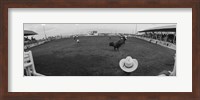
x: 164, y: 36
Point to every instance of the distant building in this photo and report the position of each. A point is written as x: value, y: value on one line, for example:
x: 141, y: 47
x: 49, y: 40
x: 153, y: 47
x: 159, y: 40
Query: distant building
x: 93, y: 33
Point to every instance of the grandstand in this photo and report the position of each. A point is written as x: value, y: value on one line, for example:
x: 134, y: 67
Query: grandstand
x: 165, y: 35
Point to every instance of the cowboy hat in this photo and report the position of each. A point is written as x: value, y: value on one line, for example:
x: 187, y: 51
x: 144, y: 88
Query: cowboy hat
x: 128, y: 64
x: 77, y: 41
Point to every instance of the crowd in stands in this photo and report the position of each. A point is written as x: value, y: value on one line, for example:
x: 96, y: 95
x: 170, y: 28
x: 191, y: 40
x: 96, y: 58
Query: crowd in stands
x: 32, y: 42
x: 171, y: 38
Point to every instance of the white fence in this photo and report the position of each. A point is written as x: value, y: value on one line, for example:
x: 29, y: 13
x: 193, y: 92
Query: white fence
x: 34, y: 44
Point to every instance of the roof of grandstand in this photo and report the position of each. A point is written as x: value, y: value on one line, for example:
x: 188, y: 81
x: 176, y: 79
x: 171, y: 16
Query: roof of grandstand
x: 171, y: 28
x: 28, y: 33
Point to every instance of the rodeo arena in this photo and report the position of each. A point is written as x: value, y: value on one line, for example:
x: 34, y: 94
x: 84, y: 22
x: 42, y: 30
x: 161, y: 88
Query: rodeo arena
x: 146, y: 52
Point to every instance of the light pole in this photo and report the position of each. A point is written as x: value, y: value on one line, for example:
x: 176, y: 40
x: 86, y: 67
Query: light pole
x: 44, y: 30
x: 136, y: 29
x: 77, y: 27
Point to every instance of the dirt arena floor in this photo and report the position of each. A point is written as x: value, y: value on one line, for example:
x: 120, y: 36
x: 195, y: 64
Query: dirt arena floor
x: 94, y: 57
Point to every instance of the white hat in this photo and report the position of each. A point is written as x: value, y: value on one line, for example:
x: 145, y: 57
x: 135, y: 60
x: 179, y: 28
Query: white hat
x: 77, y: 40
x: 125, y: 36
x: 128, y: 64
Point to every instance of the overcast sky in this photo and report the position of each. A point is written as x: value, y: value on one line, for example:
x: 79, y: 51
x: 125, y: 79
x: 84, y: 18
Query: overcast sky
x: 69, y: 29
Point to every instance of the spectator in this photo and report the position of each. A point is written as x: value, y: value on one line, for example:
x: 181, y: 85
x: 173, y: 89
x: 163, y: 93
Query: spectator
x: 169, y: 73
